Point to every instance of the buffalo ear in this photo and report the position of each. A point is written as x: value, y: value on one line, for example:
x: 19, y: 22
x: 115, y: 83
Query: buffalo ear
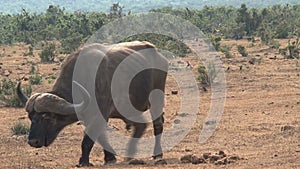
x: 20, y: 94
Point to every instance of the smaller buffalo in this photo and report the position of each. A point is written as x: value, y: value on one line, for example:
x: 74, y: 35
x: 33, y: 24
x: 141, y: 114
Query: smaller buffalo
x: 50, y: 112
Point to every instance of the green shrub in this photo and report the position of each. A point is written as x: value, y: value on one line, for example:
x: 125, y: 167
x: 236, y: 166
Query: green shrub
x: 212, y: 71
x: 20, y: 128
x: 48, y: 52
x: 30, y: 51
x: 71, y: 43
x: 203, y: 75
x: 8, y: 95
x: 242, y: 50
x: 216, y: 42
x: 226, y: 51
x: 35, y: 79
x: 51, y: 78
x: 292, y: 51
x: 274, y: 44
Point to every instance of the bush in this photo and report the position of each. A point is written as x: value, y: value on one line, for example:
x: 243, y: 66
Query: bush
x: 212, y: 72
x: 216, y: 42
x: 226, y: 51
x: 7, y: 93
x: 51, y: 78
x: 30, y: 51
x: 242, y: 50
x: 203, y: 76
x: 35, y: 79
x: 292, y: 51
x: 274, y: 44
x: 71, y: 43
x: 48, y: 52
x: 20, y: 128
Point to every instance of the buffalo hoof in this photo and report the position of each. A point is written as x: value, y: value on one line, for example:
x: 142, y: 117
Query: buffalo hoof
x: 110, y: 162
x: 84, y: 165
x: 159, y: 156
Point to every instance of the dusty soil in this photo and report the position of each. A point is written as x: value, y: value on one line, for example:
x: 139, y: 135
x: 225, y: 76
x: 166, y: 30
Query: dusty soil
x: 260, y: 126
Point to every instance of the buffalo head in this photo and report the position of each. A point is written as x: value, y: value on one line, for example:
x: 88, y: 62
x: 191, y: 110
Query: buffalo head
x: 49, y: 114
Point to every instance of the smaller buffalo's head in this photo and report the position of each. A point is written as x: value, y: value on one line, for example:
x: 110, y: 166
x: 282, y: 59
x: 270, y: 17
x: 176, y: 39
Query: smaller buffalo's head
x: 49, y: 114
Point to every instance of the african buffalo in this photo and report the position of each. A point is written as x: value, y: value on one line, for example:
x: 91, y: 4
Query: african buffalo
x: 50, y: 112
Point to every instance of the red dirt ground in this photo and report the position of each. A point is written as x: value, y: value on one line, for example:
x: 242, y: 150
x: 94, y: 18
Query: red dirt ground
x: 260, y: 123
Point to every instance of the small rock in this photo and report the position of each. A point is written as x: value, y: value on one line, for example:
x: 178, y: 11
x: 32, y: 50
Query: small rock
x: 7, y: 73
x: 137, y: 162
x: 176, y: 121
x: 221, y: 162
x: 22, y: 118
x: 161, y: 162
x: 196, y: 160
x: 183, y: 114
x: 222, y: 153
x: 206, y: 155
x: 210, y: 122
x: 214, y: 158
x: 186, y: 158
x: 234, y: 158
x: 188, y: 150
x: 174, y: 92
x: 252, y: 61
x: 287, y: 127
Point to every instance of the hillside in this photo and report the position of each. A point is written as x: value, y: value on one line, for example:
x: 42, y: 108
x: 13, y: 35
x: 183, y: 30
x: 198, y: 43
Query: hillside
x: 10, y: 7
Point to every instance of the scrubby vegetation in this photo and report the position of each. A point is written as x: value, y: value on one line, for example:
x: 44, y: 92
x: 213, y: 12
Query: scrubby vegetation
x: 7, y: 93
x: 71, y: 29
x: 20, y: 128
x: 129, y: 5
x: 59, y: 31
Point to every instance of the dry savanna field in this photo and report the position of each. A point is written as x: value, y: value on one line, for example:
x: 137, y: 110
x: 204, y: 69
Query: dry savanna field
x: 260, y: 126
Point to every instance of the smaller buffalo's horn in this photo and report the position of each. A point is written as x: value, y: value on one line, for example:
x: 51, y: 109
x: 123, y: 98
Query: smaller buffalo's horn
x: 47, y: 102
x: 20, y: 94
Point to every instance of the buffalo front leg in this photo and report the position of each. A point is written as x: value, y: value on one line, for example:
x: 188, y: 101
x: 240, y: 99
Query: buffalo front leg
x: 86, y: 147
x: 158, y: 129
x: 109, y: 153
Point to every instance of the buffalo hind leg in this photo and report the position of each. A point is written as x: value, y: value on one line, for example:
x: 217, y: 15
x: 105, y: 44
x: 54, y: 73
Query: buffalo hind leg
x: 139, y: 129
x: 86, y: 147
x: 158, y: 129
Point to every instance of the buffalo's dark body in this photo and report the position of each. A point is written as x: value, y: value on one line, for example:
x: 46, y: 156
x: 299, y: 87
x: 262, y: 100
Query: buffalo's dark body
x: 48, y: 122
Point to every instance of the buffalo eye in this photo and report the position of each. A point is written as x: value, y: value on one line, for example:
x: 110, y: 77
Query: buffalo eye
x: 48, y: 119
